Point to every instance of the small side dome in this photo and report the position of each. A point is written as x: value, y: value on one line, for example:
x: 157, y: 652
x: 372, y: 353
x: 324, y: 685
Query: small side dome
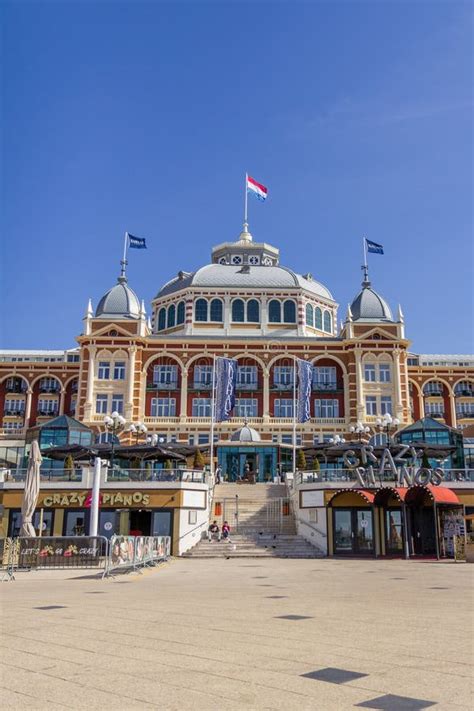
x: 245, y: 434
x: 119, y: 302
x: 370, y: 306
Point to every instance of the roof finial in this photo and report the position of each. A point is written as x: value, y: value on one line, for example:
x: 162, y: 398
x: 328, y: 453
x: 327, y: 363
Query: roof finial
x: 89, y: 310
x: 142, y: 310
x: 245, y: 235
x: 366, y: 281
x: 349, y: 313
x: 400, y: 315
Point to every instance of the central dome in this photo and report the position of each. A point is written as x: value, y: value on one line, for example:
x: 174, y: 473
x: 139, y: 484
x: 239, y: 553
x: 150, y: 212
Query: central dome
x: 370, y: 306
x: 119, y: 302
x: 245, y: 434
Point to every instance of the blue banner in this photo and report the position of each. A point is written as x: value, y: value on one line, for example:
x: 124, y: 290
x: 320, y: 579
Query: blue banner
x: 136, y: 242
x: 225, y: 381
x: 374, y: 247
x: 305, y: 380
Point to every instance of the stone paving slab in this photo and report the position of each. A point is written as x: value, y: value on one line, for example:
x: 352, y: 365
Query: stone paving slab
x: 206, y: 635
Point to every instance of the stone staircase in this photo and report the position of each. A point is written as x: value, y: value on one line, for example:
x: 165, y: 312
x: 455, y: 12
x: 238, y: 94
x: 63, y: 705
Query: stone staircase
x: 261, y: 522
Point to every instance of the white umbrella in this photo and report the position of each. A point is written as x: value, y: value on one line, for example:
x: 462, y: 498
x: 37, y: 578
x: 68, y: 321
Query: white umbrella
x: 32, y: 487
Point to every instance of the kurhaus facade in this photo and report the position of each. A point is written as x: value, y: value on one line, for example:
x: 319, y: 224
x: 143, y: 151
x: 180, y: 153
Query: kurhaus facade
x: 244, y: 305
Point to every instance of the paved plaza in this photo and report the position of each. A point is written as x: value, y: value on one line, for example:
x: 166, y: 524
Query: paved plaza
x: 241, y: 634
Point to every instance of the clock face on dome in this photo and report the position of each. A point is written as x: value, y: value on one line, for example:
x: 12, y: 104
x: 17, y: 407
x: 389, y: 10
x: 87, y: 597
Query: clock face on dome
x: 267, y: 261
x: 237, y: 259
x: 254, y: 259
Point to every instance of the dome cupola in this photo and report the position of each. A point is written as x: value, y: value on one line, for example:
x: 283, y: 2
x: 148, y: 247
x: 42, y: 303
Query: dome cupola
x: 119, y: 302
x: 368, y: 305
x: 245, y: 434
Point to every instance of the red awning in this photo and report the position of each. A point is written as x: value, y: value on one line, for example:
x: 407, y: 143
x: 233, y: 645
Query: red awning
x: 384, y: 493
x: 437, y: 494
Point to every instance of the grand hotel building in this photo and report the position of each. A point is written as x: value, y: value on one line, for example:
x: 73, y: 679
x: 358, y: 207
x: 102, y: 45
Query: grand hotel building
x: 243, y: 304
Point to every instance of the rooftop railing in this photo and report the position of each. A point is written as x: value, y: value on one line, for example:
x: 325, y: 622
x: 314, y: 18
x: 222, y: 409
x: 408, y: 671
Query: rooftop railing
x: 158, y: 475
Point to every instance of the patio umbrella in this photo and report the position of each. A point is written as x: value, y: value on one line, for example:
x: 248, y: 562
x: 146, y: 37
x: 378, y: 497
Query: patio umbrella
x: 32, y: 486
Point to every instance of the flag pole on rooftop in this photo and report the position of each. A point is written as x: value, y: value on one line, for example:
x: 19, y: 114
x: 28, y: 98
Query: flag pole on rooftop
x: 123, y: 262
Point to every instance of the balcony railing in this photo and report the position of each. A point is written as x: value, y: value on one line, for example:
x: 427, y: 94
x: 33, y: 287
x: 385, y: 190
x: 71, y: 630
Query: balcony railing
x: 47, y: 413
x: 49, y: 475
x: 12, y: 432
x: 465, y: 413
x: 435, y: 392
x: 158, y: 475
x: 15, y: 388
x: 201, y: 386
x: 14, y: 413
x: 51, y: 389
x: 246, y: 386
x: 282, y: 386
x: 323, y: 387
x: 437, y: 414
x: 172, y: 385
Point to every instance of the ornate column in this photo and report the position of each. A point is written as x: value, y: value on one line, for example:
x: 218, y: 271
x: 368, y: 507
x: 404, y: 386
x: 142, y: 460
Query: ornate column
x: 226, y: 314
x: 452, y: 407
x: 61, y: 401
x: 183, y: 404
x: 398, y: 405
x: 359, y: 385
x: 263, y: 314
x: 130, y: 383
x: 266, y: 395
x: 345, y: 385
x: 90, y: 383
x: 29, y: 394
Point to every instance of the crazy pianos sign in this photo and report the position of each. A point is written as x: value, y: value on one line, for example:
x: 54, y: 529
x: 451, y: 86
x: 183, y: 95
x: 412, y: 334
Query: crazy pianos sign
x: 370, y: 470
x: 82, y: 499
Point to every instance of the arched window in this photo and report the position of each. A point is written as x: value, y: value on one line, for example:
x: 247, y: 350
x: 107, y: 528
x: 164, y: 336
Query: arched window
x: 238, y: 310
x: 200, y: 310
x: 161, y: 319
x: 216, y: 310
x: 171, y: 316
x: 289, y: 312
x: 253, y: 311
x: 274, y: 311
x: 309, y: 315
x: 327, y: 322
x: 318, y: 318
x: 180, y: 313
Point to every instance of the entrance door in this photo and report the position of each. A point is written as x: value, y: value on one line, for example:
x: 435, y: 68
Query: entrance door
x: 393, y: 531
x: 140, y: 523
x: 353, y: 531
x: 422, y: 530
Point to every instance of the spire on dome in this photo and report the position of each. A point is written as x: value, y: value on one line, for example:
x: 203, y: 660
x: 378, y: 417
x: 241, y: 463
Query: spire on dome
x: 245, y: 235
x: 400, y: 316
x: 142, y: 310
x: 349, y: 313
x: 89, y: 310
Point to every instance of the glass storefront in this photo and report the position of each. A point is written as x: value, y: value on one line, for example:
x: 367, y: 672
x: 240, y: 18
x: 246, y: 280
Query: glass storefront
x: 237, y: 462
x: 76, y: 522
x: 47, y: 526
x: 353, y: 531
x: 393, y: 522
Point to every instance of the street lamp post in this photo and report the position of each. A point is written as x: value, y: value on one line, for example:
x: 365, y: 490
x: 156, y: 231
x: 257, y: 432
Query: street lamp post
x: 387, y: 424
x: 114, y: 423
x: 359, y: 430
x: 138, y: 429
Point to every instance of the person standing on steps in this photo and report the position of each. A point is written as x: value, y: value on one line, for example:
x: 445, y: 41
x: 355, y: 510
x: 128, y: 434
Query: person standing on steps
x: 218, y: 475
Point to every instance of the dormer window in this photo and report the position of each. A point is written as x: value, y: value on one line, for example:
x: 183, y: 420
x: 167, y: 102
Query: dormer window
x: 254, y: 259
x: 236, y: 259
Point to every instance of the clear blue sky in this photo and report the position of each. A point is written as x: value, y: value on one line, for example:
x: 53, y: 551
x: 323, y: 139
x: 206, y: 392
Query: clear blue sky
x: 145, y: 116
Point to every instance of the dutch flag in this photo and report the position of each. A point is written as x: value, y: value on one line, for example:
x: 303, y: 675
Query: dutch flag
x: 257, y: 189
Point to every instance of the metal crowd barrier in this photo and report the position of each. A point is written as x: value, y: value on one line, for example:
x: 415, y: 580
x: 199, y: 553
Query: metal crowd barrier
x: 76, y: 552
x: 135, y: 552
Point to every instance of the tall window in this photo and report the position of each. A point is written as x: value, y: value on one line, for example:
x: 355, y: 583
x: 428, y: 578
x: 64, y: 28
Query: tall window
x: 171, y: 316
x: 73, y: 405
x: 247, y: 377
x: 203, y: 376
x: 103, y: 371
x: 283, y: 376
x: 200, y: 310
x: 101, y: 401
x: 119, y: 370
x: 385, y: 405
x: 49, y: 384
x: 433, y: 388
x: 327, y: 322
x: 289, y: 312
x: 318, y: 318
x: 14, y: 406
x: 163, y: 407
x: 117, y: 404
x: 161, y: 319
x: 201, y: 407
x: 284, y: 407
x: 238, y: 311
x: 274, y: 311
x: 253, y: 311
x: 309, y: 315
x: 326, y: 408
x: 464, y: 388
x: 371, y: 405
x: 246, y: 407
x: 324, y: 378
x: 47, y: 407
x: 216, y: 310
x: 384, y: 372
x: 369, y: 373
x: 434, y: 408
x: 180, y: 313
x: 165, y: 375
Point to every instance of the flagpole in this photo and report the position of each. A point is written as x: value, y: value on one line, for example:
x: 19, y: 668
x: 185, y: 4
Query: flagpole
x: 213, y: 407
x: 366, y: 266
x: 124, y: 260
x: 294, y: 417
x: 246, y: 200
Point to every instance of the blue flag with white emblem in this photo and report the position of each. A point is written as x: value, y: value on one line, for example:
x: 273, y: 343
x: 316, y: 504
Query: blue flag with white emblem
x: 305, y: 380
x: 225, y: 381
x: 374, y: 247
x: 136, y: 242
